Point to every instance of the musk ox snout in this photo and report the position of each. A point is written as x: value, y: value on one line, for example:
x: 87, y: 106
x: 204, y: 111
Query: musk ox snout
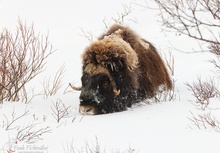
x: 88, y: 103
x: 88, y: 110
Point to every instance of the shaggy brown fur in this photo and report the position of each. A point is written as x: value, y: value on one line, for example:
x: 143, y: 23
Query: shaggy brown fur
x: 145, y: 67
x: 133, y: 63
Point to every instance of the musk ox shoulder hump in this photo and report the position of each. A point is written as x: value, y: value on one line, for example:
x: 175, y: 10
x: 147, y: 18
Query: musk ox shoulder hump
x: 111, y: 47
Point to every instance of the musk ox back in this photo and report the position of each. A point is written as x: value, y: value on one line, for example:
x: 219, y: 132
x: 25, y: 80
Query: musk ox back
x: 120, y: 69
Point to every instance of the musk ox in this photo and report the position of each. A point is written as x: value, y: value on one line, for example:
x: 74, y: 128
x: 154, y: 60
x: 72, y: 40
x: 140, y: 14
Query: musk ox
x: 120, y: 69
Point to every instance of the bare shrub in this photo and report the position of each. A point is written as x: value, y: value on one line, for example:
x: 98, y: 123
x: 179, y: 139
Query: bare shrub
x: 31, y: 95
x: 60, y: 111
x: 167, y: 95
x: 69, y: 148
x: 198, y: 19
x: 95, y: 148
x: 88, y: 148
x: 51, y: 88
x: 169, y: 61
x: 205, y: 121
x: 203, y: 91
x: 88, y: 35
x: 8, y: 124
x: 123, y: 16
x: 30, y: 134
x: 215, y: 49
x: 22, y: 58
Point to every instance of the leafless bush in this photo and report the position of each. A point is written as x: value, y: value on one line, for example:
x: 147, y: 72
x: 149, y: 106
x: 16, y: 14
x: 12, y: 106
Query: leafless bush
x: 8, y: 124
x: 198, y: 19
x: 22, y: 57
x: 88, y: 35
x: 205, y: 121
x: 169, y: 61
x: 203, y: 91
x: 122, y: 17
x: 167, y: 95
x: 60, y: 111
x: 49, y: 89
x: 69, y: 148
x: 96, y: 148
x: 29, y: 133
x: 215, y: 49
x: 31, y: 94
x: 164, y: 95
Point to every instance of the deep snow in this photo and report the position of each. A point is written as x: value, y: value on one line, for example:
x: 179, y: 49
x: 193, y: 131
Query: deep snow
x: 156, y: 127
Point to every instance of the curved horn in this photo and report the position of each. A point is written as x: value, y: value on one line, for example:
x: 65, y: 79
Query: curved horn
x: 74, y: 88
x: 117, y: 92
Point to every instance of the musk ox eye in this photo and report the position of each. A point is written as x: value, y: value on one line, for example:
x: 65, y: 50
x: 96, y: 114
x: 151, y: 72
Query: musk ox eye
x: 105, y: 84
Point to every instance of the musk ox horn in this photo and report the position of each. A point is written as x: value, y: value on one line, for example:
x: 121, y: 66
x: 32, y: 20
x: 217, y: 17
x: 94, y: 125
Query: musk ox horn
x: 117, y: 92
x: 74, y: 88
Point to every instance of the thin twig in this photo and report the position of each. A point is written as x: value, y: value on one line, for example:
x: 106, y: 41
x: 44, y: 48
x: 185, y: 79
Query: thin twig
x: 60, y: 111
x: 14, y: 119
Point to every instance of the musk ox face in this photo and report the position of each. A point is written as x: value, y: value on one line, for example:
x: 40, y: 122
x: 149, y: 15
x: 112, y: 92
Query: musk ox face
x: 98, y: 90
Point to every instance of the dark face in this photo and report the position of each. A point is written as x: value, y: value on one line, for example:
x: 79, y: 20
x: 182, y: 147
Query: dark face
x: 96, y: 94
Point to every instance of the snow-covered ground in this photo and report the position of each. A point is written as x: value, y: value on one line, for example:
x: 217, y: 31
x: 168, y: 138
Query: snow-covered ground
x: 156, y: 127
